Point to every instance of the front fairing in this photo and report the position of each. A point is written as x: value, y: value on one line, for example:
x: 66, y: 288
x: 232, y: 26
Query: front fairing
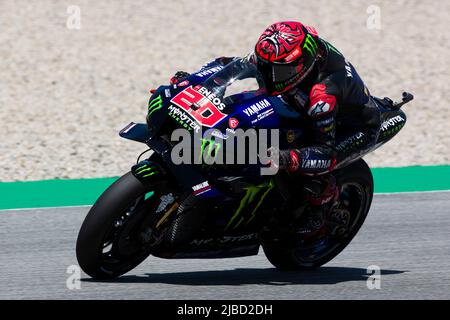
x: 234, y: 95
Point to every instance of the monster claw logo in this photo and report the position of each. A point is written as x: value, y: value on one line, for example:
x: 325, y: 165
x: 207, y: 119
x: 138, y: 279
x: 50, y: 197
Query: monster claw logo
x: 280, y: 86
x: 154, y: 104
x: 146, y: 170
x: 310, y: 45
x: 280, y: 41
x: 250, y: 204
x: 213, y: 148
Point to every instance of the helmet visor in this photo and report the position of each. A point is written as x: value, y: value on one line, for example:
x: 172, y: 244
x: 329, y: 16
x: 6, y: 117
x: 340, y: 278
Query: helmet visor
x: 279, y: 78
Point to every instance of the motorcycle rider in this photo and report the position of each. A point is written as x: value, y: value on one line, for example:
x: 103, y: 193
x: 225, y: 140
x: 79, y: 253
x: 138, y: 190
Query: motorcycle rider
x: 314, y: 78
x: 294, y: 60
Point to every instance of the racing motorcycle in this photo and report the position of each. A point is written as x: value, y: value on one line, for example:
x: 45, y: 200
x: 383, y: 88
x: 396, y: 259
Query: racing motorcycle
x: 176, y: 211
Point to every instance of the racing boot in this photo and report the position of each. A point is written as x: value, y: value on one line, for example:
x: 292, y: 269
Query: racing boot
x: 321, y: 193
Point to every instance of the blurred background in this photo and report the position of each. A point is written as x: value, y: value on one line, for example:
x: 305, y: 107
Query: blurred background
x: 73, y: 73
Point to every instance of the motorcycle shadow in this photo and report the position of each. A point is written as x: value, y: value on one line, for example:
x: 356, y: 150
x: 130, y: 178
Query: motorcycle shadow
x: 248, y: 276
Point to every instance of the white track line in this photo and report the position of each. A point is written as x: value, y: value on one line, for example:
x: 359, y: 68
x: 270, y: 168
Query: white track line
x: 44, y: 208
x: 87, y: 206
x: 409, y: 192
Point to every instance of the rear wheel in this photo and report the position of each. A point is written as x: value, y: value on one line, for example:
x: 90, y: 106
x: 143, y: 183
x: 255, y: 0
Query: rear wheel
x: 112, y: 240
x: 340, y: 226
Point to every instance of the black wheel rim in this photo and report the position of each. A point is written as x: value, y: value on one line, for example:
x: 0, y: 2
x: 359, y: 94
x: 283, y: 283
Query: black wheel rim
x: 121, y: 246
x: 353, y: 199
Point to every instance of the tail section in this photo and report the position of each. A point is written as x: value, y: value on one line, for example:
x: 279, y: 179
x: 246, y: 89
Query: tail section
x: 393, y: 118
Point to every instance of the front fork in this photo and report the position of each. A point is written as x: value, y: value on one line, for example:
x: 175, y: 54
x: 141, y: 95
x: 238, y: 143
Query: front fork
x: 154, y: 170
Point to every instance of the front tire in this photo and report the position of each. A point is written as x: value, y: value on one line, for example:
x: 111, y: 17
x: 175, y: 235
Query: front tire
x: 118, y: 203
x: 356, y: 183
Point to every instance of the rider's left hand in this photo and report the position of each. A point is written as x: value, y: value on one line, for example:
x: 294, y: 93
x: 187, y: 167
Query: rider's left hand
x: 179, y: 75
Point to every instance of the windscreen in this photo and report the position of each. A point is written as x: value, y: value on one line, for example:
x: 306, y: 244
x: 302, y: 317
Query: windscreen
x: 240, y: 79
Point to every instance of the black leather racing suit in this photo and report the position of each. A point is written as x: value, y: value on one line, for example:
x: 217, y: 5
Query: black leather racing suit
x: 344, y: 119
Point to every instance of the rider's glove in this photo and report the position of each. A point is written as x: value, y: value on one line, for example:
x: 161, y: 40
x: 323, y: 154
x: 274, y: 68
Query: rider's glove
x: 287, y: 159
x: 179, y: 76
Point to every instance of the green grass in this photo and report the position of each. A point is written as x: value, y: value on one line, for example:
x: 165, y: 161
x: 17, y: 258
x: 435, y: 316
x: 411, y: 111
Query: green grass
x: 75, y: 192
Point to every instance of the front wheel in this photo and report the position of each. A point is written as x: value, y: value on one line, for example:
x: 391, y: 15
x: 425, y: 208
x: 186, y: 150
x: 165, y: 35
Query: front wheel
x: 356, y: 192
x: 110, y: 241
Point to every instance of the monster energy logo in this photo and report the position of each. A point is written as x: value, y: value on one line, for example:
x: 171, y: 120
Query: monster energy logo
x: 310, y: 45
x: 148, y: 170
x: 250, y: 198
x: 332, y: 48
x: 154, y: 104
x: 279, y: 86
x: 212, y: 146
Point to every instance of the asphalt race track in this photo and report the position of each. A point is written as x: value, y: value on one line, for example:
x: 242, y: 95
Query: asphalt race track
x: 406, y: 235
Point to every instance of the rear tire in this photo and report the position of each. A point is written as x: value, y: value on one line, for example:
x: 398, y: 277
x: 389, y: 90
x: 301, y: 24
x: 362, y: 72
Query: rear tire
x: 355, y: 174
x: 110, y: 207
